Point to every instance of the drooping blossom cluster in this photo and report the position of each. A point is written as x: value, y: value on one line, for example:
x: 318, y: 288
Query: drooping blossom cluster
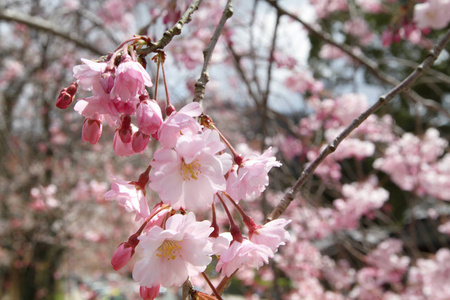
x: 191, y: 172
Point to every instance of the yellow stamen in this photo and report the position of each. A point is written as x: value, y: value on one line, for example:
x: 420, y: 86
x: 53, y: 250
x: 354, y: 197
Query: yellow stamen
x: 168, y: 250
x: 190, y: 171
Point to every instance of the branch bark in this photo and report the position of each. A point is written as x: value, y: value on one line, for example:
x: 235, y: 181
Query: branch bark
x: 200, y: 85
x: 47, y: 26
x: 172, y: 32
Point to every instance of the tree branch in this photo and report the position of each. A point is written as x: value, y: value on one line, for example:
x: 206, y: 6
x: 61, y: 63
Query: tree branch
x: 200, y: 85
x: 405, y: 85
x: 175, y: 30
x: 44, y: 25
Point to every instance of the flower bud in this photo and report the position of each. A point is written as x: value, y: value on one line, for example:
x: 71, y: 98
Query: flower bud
x: 92, y: 130
x: 121, y: 256
x: 67, y: 95
x: 170, y: 109
x: 149, y: 293
x: 125, y: 132
x: 139, y: 141
x: 148, y: 117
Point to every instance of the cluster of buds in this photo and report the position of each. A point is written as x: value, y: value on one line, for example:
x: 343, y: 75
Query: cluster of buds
x: 67, y: 95
x: 191, y: 172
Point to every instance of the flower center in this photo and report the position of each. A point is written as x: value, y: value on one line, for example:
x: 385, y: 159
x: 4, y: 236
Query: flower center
x: 190, y: 171
x: 168, y: 250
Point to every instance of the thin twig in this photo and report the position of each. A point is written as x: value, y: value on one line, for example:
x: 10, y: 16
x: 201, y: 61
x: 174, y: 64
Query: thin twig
x: 47, y: 26
x: 200, y: 85
x: 383, y: 100
x: 175, y: 30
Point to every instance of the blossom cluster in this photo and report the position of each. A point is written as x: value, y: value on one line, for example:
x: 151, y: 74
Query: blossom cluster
x: 191, y: 172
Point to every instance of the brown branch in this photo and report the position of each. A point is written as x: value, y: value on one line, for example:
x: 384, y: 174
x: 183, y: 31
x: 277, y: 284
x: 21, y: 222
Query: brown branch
x: 174, y: 31
x: 47, y: 26
x: 200, y: 85
x: 405, y: 85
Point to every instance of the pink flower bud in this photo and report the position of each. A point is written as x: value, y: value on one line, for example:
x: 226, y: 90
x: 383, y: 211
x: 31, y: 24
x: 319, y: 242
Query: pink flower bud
x: 92, y: 130
x: 125, y: 135
x: 149, y: 293
x: 170, y: 109
x: 121, y: 256
x: 66, y: 96
x: 139, y: 141
x: 148, y: 117
x: 125, y: 132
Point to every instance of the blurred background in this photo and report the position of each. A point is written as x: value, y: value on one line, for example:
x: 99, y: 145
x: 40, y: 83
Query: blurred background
x: 273, y: 83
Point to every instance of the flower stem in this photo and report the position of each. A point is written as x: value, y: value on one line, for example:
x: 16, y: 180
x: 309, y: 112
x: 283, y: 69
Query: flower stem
x: 216, y: 293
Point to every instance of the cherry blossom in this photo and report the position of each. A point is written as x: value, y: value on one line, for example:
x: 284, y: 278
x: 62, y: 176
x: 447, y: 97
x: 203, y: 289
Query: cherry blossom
x: 130, y: 80
x: 245, y: 253
x: 189, y: 175
x: 179, y: 123
x: 432, y: 13
x: 129, y: 196
x: 173, y: 253
x: 271, y: 234
x: 250, y: 179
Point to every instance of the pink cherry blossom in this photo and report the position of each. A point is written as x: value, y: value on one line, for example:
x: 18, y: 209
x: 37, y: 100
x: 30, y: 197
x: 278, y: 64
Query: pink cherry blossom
x: 413, y: 163
x: 271, y: 234
x: 324, y: 8
x: 388, y: 258
x: 245, y: 253
x: 148, y: 117
x: 102, y: 108
x: 130, y: 80
x: 436, y: 178
x: 172, y: 254
x: 371, y: 6
x: 360, y: 199
x: 89, y: 75
x: 432, y: 13
x: 328, y: 51
x: 179, y: 123
x: 432, y: 275
x: 189, y: 175
x: 129, y: 196
x: 250, y: 179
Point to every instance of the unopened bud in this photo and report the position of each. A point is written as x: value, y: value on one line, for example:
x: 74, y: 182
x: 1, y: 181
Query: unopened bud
x: 139, y: 141
x: 122, y: 256
x: 148, y: 117
x: 170, y: 109
x: 149, y: 293
x: 66, y: 96
x: 92, y: 130
x: 125, y: 131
